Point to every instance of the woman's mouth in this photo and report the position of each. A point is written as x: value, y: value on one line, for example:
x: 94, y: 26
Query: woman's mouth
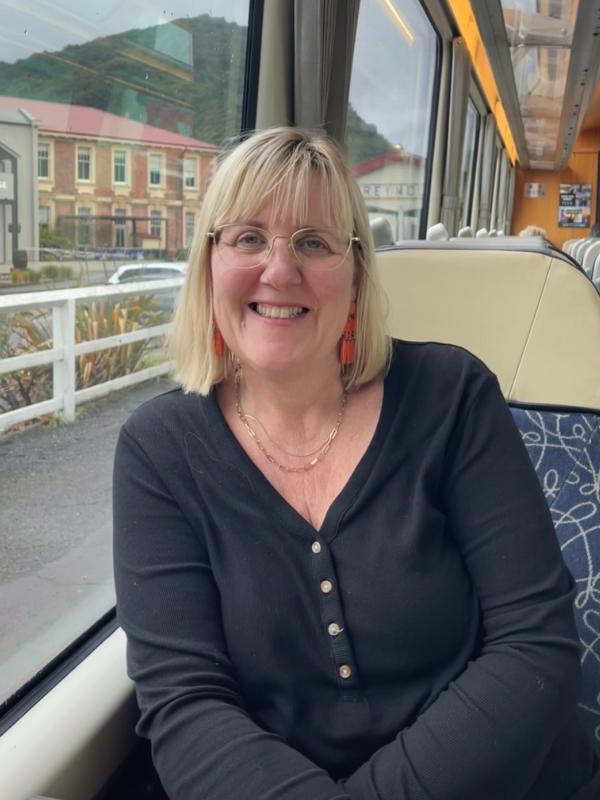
x: 278, y: 312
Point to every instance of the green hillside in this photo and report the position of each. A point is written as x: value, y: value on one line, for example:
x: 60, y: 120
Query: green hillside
x: 185, y: 76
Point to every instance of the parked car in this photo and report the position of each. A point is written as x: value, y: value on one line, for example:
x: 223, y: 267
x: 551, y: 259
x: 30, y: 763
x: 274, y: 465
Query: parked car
x: 130, y: 273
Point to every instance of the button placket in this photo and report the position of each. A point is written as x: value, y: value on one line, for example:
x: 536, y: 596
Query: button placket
x: 332, y: 617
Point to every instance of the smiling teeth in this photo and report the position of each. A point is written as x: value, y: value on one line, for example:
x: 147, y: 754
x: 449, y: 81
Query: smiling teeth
x: 279, y: 312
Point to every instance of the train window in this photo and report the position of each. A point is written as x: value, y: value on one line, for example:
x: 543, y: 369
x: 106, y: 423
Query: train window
x: 103, y: 113
x: 467, y: 171
x: 389, y: 126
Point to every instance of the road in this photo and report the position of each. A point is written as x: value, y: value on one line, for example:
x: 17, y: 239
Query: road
x: 55, y: 531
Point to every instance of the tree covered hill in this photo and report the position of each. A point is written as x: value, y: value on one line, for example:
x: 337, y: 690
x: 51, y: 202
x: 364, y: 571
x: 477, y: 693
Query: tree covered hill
x: 185, y: 76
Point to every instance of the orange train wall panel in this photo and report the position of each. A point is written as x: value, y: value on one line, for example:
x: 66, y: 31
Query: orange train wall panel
x: 543, y: 211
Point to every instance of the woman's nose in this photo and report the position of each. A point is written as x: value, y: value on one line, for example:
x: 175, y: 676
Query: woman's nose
x: 281, y: 267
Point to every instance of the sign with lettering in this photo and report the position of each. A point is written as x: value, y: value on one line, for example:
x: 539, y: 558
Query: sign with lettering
x: 386, y: 191
x: 534, y: 190
x: 7, y: 186
x: 574, y: 205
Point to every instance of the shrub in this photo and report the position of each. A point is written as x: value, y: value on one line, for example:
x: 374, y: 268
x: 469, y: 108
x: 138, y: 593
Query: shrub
x: 24, y: 276
x: 98, y: 320
x: 182, y: 254
x: 30, y: 331
x: 25, y: 332
x: 56, y: 272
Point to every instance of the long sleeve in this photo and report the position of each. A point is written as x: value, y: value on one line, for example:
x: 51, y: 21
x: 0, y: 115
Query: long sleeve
x: 488, y: 734
x: 204, y: 742
x: 419, y: 646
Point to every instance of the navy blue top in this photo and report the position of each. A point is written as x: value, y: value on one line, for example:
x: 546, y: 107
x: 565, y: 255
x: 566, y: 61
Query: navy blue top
x: 453, y: 669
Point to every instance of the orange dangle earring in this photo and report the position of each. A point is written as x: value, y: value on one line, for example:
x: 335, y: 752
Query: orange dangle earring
x: 348, y: 338
x: 219, y: 344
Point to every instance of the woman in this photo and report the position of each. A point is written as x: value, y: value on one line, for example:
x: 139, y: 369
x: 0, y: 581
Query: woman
x: 335, y: 567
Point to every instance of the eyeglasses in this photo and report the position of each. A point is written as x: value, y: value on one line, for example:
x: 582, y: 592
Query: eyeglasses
x: 246, y: 246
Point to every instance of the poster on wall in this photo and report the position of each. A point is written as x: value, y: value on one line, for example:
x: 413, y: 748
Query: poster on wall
x: 534, y: 190
x: 574, y: 205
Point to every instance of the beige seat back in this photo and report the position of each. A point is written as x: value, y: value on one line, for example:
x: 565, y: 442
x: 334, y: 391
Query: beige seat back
x: 532, y: 317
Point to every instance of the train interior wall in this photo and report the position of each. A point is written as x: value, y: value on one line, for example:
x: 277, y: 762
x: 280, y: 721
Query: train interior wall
x: 582, y: 168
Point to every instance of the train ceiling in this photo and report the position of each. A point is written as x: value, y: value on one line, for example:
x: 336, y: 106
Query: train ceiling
x: 545, y: 57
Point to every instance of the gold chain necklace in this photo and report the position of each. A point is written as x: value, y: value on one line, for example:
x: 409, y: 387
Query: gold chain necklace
x: 318, y: 454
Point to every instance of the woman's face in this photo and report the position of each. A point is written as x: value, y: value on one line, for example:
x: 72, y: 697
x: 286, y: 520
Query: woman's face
x: 281, y: 316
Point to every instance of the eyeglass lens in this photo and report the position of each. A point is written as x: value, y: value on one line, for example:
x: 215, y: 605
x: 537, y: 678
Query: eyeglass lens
x: 246, y: 246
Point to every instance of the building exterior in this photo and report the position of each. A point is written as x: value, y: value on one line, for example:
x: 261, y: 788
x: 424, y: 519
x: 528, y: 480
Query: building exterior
x: 392, y: 187
x: 108, y: 183
x: 18, y: 184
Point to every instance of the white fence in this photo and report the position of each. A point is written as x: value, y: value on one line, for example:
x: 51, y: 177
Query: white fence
x: 64, y: 350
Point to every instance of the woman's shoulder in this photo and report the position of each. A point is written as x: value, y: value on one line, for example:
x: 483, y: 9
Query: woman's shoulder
x: 168, y: 412
x: 436, y: 355
x: 446, y: 369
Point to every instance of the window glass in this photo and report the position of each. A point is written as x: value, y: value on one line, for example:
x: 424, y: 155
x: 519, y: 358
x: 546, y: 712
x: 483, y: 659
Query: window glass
x: 155, y: 223
x: 43, y: 161
x: 190, y: 219
x: 84, y: 158
x: 115, y: 97
x: 120, y: 227
x: 390, y: 113
x: 189, y: 172
x: 120, y: 166
x: 43, y: 216
x: 84, y: 231
x: 154, y: 162
x: 467, y: 170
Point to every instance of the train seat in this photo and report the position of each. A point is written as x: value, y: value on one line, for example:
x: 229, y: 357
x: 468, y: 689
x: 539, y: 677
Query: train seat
x: 382, y: 232
x: 589, y: 257
x: 534, y: 319
x: 578, y: 250
x: 437, y: 233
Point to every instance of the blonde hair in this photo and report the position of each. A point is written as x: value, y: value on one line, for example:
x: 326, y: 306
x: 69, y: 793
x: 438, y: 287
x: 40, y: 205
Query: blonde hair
x: 533, y: 230
x: 277, y: 164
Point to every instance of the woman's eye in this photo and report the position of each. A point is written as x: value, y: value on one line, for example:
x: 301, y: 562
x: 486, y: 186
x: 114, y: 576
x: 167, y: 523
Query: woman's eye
x: 313, y: 244
x: 250, y: 239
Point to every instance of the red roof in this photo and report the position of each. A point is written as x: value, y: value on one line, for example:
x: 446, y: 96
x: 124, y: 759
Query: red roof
x: 85, y: 121
x: 383, y: 160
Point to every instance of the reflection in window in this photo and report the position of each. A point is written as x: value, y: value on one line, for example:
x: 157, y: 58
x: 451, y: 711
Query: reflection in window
x: 467, y: 170
x: 168, y: 82
x: 389, y: 124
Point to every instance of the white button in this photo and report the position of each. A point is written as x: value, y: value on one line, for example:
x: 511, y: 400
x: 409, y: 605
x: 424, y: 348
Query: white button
x: 334, y: 629
x: 316, y: 548
x: 326, y: 586
x: 345, y: 671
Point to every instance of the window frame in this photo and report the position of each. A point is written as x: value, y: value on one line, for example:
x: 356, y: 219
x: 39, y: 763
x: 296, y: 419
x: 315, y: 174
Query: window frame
x: 125, y: 166
x: 79, y: 150
x: 190, y: 172
x: 40, y: 145
x: 155, y: 214
x: 160, y: 156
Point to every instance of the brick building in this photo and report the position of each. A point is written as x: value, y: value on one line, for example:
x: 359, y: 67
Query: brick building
x: 107, y: 182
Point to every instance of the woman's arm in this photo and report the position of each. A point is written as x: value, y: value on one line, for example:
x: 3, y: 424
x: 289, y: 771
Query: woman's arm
x: 488, y: 734
x: 204, y: 743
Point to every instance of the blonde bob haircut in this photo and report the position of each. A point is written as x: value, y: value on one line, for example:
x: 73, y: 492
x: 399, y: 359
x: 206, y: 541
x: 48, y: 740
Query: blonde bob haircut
x: 277, y: 164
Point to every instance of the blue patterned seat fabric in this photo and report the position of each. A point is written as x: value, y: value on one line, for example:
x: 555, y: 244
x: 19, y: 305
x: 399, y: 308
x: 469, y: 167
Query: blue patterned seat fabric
x: 565, y: 451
